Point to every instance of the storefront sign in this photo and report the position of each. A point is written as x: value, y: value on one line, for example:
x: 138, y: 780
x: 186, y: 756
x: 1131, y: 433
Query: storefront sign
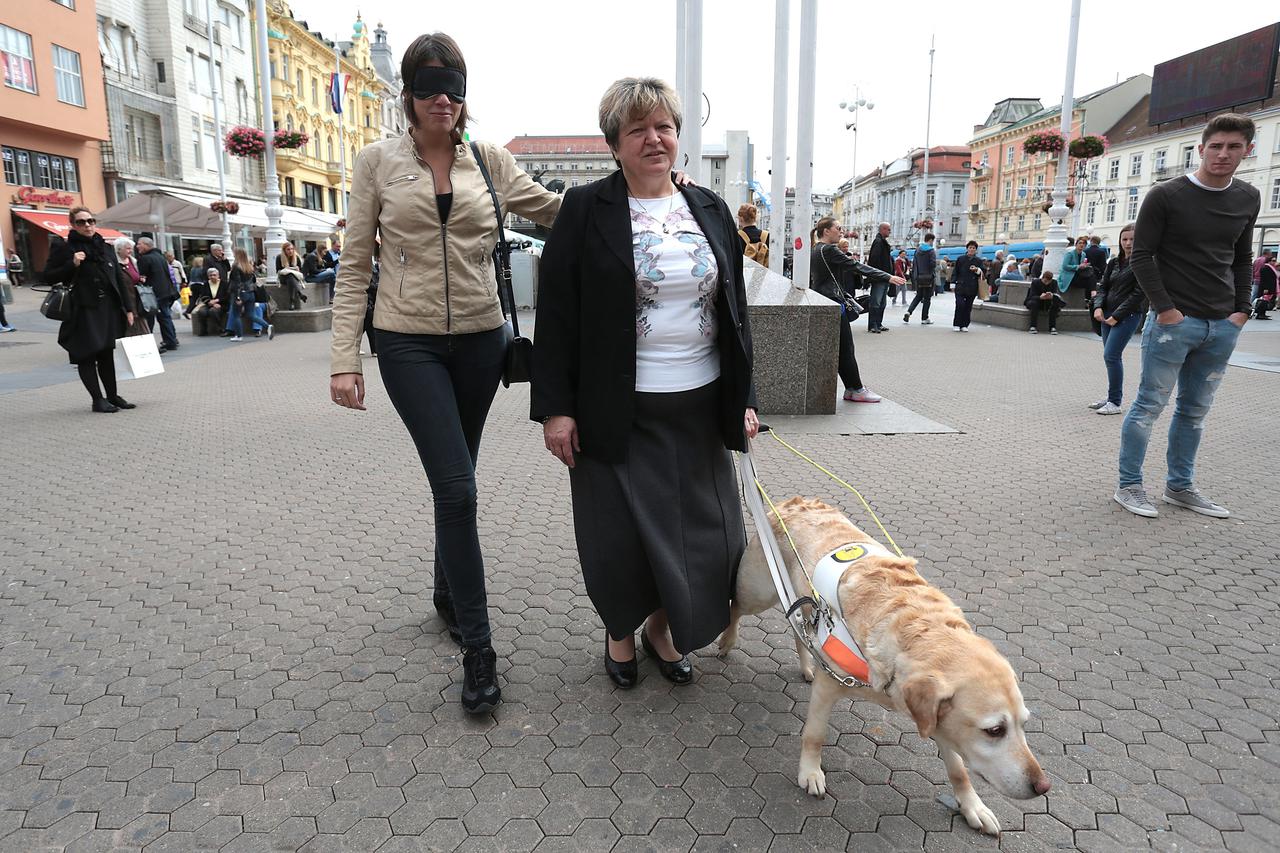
x: 31, y: 195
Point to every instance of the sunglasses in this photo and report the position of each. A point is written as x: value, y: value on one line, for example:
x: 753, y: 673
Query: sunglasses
x: 86, y: 222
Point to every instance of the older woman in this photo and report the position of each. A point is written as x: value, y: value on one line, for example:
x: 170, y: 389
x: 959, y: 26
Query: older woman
x: 442, y: 337
x: 143, y: 296
x: 103, y: 307
x: 642, y: 379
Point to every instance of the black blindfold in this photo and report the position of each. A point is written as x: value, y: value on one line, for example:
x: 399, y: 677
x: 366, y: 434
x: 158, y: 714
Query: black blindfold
x: 429, y: 81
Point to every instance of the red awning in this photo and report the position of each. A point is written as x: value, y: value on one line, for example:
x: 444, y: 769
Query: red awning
x: 57, y: 223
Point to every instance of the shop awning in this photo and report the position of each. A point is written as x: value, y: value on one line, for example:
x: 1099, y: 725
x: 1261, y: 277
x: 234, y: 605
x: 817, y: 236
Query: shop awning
x: 187, y: 213
x: 57, y: 223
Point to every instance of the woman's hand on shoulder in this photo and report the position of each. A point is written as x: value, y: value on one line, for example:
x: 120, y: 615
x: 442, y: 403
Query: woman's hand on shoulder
x: 560, y: 434
x: 347, y: 390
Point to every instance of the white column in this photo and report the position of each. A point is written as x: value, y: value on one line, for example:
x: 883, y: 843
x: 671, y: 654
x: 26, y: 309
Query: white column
x: 682, y: 45
x: 778, y: 238
x: 928, y: 122
x: 215, y: 86
x: 1056, y: 237
x: 692, y: 128
x: 804, y: 142
x: 275, y: 233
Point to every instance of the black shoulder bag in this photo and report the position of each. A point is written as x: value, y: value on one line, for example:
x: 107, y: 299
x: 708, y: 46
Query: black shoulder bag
x: 519, y: 363
x: 850, y: 308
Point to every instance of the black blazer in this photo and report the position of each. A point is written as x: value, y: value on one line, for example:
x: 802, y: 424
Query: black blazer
x: 585, y: 353
x: 98, y: 273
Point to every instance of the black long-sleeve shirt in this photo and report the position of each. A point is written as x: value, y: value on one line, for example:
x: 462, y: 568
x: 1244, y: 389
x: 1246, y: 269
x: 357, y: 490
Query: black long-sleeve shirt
x: 1191, y: 247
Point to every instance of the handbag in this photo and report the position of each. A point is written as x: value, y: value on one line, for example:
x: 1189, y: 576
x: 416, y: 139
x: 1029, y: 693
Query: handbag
x: 850, y: 308
x: 147, y: 299
x: 57, y: 304
x: 137, y: 356
x: 519, y: 363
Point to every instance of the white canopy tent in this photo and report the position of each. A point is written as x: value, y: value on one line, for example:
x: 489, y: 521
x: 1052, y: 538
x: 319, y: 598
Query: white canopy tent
x: 187, y: 213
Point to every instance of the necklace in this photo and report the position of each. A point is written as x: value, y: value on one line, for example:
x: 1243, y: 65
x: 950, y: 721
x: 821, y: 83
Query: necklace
x: 671, y: 205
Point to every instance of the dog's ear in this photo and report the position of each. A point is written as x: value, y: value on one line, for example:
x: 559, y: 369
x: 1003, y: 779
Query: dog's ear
x: 927, y: 699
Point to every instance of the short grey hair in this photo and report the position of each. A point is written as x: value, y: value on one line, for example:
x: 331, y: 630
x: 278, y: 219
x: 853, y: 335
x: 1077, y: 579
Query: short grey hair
x: 632, y: 98
x: 146, y: 240
x: 122, y: 243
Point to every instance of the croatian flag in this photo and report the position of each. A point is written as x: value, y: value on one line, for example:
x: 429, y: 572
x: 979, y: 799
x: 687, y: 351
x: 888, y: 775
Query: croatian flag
x: 338, y: 90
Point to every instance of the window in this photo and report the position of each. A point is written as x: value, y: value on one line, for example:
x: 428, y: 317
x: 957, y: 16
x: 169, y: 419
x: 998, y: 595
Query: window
x: 312, y: 196
x: 44, y: 179
x: 19, y: 64
x: 204, y: 75
x: 957, y: 196
x: 1035, y: 222
x: 196, y: 142
x: 211, y: 140
x: 929, y: 199
x: 1135, y: 165
x: 66, y: 73
x: 1005, y: 226
x: 1093, y: 171
x: 331, y: 151
x: 70, y: 4
x: 1008, y: 190
x: 234, y: 23
x: 55, y: 165
x: 284, y: 63
x: 70, y: 171
x: 333, y: 200
x: 1091, y: 213
x: 955, y: 228
x: 1111, y: 209
x: 1008, y: 155
x: 1188, y: 157
x: 1275, y: 187
x: 315, y: 89
x: 24, y: 168
x: 1113, y: 169
x: 1022, y: 188
x: 11, y: 169
x: 982, y: 228
x: 1131, y: 209
x: 160, y: 71
x: 1160, y: 159
x: 1022, y: 222
x: 298, y: 88
x: 982, y: 197
x: 315, y: 147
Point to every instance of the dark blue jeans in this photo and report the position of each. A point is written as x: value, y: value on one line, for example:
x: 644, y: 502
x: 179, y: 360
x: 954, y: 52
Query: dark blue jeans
x: 1114, y: 340
x: 168, y: 334
x: 875, y: 311
x: 442, y: 387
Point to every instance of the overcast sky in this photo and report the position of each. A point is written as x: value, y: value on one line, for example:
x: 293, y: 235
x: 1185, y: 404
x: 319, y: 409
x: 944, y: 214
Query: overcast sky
x: 539, y: 67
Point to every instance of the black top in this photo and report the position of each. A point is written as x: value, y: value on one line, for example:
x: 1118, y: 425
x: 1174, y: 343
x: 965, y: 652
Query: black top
x: 831, y: 271
x: 1118, y: 293
x: 965, y: 274
x: 880, y: 255
x: 444, y: 203
x: 753, y: 235
x: 584, y: 365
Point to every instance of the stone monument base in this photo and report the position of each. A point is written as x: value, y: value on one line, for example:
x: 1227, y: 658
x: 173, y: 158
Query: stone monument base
x: 796, y: 338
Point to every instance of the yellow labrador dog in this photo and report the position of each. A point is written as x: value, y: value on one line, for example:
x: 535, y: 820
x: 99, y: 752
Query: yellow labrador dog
x: 923, y: 658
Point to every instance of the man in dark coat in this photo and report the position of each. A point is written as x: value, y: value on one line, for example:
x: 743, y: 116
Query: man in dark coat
x: 217, y: 257
x: 880, y: 256
x: 154, y: 269
x: 1096, y: 254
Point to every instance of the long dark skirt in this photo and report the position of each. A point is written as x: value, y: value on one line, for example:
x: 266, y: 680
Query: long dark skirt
x: 664, y: 528
x: 91, y: 330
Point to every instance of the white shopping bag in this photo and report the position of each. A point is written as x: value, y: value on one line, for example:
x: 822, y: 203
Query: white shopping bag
x: 137, y: 356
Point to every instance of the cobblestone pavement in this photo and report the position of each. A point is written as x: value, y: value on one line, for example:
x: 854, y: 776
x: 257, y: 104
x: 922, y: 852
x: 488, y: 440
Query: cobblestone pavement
x: 216, y: 630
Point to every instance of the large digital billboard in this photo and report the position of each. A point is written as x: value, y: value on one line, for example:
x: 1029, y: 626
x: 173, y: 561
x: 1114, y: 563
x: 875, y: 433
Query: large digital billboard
x: 1236, y: 71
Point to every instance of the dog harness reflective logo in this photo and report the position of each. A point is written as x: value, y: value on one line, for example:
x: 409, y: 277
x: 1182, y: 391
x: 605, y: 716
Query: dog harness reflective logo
x: 834, y: 637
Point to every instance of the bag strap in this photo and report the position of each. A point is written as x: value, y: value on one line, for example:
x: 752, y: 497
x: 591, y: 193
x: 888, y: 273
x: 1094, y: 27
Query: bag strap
x: 743, y: 234
x: 506, y: 298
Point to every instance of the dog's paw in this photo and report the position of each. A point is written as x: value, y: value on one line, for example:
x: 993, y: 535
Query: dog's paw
x: 814, y: 781
x: 979, y: 817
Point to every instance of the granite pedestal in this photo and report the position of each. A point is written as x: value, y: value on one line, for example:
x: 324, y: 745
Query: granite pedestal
x: 316, y: 314
x: 796, y: 339
x: 1010, y: 313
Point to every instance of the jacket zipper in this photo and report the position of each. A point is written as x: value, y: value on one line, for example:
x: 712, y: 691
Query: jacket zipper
x: 401, y: 178
x: 403, y: 267
x: 444, y: 245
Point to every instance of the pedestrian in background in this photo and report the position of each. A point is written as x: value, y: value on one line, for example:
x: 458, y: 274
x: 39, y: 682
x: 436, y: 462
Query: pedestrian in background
x: 217, y: 257
x: 902, y: 269
x: 1043, y: 296
x: 290, y: 276
x: 755, y: 243
x: 14, y: 261
x: 196, y: 281
x: 442, y: 336
x: 244, y: 291
x: 141, y: 295
x: 1118, y: 306
x: 1192, y: 256
x: 924, y: 271
x: 102, y: 307
x: 879, y: 256
x: 210, y: 301
x: 157, y: 276
x: 965, y: 275
x: 643, y: 383
x: 1266, y: 289
x: 1096, y: 254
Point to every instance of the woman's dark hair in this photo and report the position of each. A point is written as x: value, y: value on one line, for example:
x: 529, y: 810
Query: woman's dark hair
x: 820, y: 228
x: 425, y: 48
x: 1129, y: 226
x: 973, y: 243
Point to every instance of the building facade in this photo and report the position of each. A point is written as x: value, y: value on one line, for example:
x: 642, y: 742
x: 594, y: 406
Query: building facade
x: 302, y: 63
x: 1008, y: 187
x: 1112, y: 187
x: 903, y: 197
x: 163, y: 63
x: 392, y: 120
x: 53, y: 121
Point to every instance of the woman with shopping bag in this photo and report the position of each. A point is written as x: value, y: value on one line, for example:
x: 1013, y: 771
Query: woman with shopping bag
x: 102, y: 307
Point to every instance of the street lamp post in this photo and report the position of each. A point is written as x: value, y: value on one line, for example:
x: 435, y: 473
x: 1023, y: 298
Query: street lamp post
x: 275, y: 232
x: 215, y: 86
x: 854, y: 104
x: 1056, y: 237
x: 778, y: 184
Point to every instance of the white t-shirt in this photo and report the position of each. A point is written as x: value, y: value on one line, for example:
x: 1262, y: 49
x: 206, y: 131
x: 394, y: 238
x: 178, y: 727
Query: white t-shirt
x: 677, y: 279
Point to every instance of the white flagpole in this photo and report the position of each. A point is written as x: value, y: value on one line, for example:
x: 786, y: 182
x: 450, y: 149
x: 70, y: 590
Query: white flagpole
x: 342, y: 142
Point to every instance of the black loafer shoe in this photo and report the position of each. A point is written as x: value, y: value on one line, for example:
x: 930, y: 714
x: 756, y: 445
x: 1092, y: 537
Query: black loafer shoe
x: 480, y: 691
x: 623, y: 673
x: 104, y: 406
x: 121, y: 403
x: 677, y: 672
x: 444, y: 608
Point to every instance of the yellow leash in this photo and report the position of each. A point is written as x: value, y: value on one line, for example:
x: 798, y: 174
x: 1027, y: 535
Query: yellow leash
x: 865, y: 505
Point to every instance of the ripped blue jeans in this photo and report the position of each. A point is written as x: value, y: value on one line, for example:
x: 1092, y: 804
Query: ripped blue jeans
x: 1193, y: 355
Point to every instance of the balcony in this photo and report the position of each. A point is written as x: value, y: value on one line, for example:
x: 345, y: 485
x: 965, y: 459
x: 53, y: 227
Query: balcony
x: 194, y: 24
x: 288, y: 159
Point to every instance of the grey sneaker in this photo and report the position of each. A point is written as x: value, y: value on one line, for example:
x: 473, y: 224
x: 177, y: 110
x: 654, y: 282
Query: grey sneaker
x: 1108, y: 408
x: 1134, y: 499
x: 1192, y: 499
x: 1099, y: 404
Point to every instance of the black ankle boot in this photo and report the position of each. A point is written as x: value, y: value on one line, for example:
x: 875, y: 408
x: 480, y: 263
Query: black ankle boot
x: 121, y: 403
x: 101, y: 405
x: 480, y: 691
x: 444, y: 608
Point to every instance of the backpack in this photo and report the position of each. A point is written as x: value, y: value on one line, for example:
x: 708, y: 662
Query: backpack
x: 758, y: 252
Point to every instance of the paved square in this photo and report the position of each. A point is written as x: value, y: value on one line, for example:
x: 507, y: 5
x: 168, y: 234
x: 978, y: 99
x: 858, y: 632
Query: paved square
x: 216, y: 630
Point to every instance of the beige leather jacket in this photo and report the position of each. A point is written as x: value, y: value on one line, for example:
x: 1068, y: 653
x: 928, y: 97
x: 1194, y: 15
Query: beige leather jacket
x: 437, y: 278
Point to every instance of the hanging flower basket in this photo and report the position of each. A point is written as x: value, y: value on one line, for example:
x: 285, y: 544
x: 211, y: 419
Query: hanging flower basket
x: 1071, y: 203
x: 290, y: 139
x: 1044, y: 143
x: 228, y: 207
x: 245, y: 142
x: 1088, y: 146
x: 922, y: 224
x: 342, y: 223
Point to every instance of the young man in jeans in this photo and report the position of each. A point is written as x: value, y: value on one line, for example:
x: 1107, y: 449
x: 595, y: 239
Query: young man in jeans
x: 1192, y: 258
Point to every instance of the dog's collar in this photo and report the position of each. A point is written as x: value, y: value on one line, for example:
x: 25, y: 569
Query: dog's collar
x: 833, y: 635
